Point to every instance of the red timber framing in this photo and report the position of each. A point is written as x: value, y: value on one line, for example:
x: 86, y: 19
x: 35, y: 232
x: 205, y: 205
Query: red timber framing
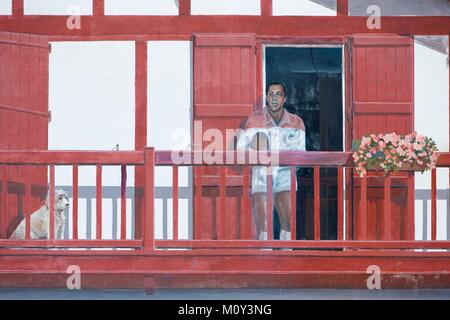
x: 140, y: 123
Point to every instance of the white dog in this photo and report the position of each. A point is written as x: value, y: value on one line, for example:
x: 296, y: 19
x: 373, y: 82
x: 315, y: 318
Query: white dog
x: 40, y: 219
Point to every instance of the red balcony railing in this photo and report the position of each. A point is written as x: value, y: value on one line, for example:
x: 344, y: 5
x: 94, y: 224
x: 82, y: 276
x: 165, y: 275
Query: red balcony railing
x: 149, y: 159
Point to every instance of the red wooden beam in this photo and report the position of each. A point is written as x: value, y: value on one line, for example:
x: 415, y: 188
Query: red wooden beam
x: 222, y: 213
x: 288, y: 158
x: 98, y: 201
x: 409, y: 227
x: 387, y: 209
x: 266, y: 8
x: 317, y: 203
x: 18, y: 8
x: 342, y: 7
x: 304, y: 244
x: 246, y: 221
x: 123, y: 202
x: 71, y: 157
x: 141, y: 95
x: 362, y: 220
x: 52, y: 203
x: 198, y: 190
x: 269, y: 211
x: 443, y: 160
x: 154, y: 280
x: 293, y: 203
x: 188, y: 25
x: 184, y: 8
x: 4, y: 201
x: 433, y: 205
x: 148, y: 37
x: 75, y: 201
x: 349, y: 193
x: 72, y: 243
x: 98, y: 8
x: 27, y: 206
x: 164, y: 158
x: 340, y: 194
x: 257, y: 270
x: 149, y: 198
x: 175, y: 201
x: 140, y: 139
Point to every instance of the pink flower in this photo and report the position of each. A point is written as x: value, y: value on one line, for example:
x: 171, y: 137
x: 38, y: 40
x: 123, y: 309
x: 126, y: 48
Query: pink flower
x: 423, y: 154
x: 409, y: 138
x: 365, y: 141
x: 420, y: 138
x: 388, y: 138
x: 400, y: 151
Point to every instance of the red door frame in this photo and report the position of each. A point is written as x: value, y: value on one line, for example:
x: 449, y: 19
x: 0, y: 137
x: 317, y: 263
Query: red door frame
x: 344, y: 41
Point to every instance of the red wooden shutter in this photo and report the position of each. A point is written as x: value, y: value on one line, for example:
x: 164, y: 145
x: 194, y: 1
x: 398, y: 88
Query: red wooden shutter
x: 224, y: 95
x: 23, y: 117
x: 383, y: 102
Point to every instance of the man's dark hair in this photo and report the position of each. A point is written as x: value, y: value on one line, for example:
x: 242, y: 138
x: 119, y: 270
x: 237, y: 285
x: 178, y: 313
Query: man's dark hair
x: 277, y: 83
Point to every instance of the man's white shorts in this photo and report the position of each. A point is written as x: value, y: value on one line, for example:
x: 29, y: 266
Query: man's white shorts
x: 281, y: 179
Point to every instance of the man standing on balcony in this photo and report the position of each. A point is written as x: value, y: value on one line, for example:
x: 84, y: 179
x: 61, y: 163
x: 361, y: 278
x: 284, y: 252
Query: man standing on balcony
x: 273, y: 128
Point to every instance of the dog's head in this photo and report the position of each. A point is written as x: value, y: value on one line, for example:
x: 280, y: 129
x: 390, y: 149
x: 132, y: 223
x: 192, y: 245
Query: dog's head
x: 61, y: 200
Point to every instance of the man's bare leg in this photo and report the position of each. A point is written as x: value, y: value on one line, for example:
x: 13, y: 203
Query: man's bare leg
x: 283, y: 206
x: 260, y: 199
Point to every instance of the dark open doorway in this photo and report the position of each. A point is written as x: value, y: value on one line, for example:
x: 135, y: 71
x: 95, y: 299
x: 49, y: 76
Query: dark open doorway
x: 313, y: 76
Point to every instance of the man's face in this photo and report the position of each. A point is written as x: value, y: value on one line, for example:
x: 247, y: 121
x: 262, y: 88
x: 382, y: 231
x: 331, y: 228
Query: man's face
x: 276, y: 98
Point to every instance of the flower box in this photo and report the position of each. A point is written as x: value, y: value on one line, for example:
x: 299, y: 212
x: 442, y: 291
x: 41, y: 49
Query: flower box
x: 404, y: 167
x: 392, y: 152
